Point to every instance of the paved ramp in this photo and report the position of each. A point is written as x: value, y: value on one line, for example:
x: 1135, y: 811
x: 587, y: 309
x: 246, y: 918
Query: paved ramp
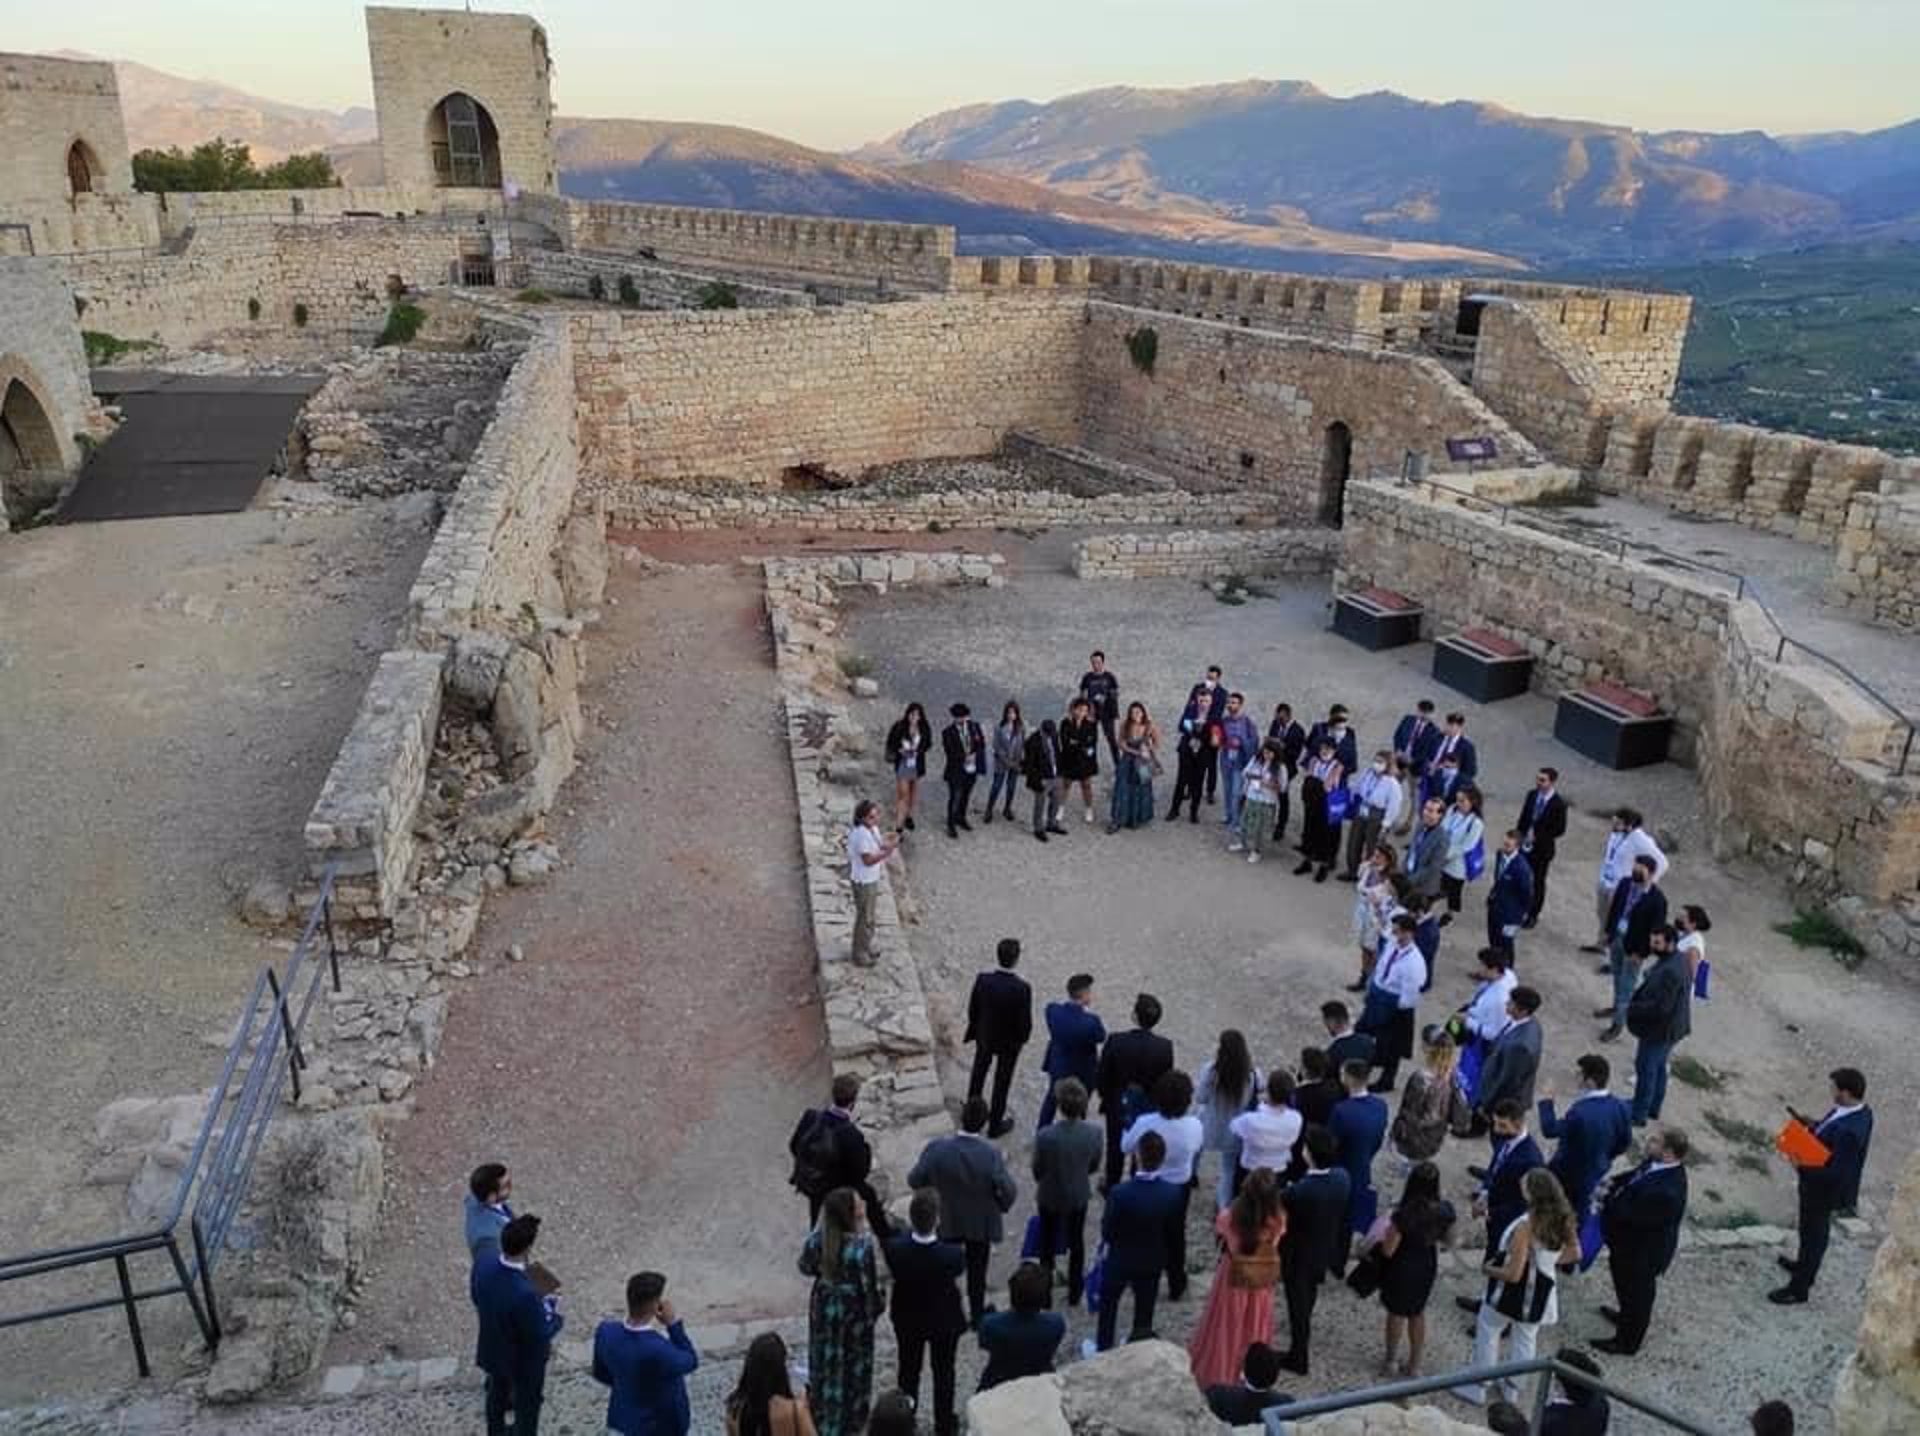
x: 188, y: 443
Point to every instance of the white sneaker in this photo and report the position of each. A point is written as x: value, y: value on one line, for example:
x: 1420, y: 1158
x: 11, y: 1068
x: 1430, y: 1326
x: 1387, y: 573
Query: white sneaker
x: 1236, y: 846
x: 1089, y: 815
x: 1088, y: 1348
x: 1253, y: 857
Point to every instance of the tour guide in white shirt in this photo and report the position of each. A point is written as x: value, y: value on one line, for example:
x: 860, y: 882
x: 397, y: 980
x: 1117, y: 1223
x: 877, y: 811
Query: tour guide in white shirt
x: 867, y: 854
x: 1392, y: 994
x: 1627, y: 841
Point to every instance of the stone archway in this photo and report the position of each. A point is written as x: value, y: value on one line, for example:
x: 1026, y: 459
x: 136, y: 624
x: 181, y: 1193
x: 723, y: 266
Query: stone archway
x: 464, y: 143
x: 83, y: 168
x: 32, y: 471
x: 1336, y: 466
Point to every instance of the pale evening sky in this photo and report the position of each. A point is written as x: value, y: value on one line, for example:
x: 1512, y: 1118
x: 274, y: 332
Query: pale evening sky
x: 835, y: 73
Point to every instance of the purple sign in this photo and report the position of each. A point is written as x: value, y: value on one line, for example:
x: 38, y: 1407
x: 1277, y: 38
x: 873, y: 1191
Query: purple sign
x: 1474, y: 450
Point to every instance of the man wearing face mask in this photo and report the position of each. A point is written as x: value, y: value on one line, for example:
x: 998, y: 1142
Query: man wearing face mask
x: 1337, y: 730
x: 1376, y: 808
x: 1207, y: 704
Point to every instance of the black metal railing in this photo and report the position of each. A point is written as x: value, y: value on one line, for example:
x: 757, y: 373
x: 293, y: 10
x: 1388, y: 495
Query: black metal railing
x: 263, y: 1057
x: 1623, y: 551
x: 1280, y: 1419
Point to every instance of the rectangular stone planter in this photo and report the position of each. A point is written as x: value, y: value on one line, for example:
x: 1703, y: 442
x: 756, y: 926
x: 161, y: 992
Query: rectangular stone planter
x: 1616, y: 734
x: 1482, y: 665
x: 1377, y: 618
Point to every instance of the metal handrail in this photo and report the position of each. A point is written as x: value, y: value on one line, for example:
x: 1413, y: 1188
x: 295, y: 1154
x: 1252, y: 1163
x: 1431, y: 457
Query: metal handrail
x: 218, y: 1171
x: 1742, y: 589
x: 1279, y: 1419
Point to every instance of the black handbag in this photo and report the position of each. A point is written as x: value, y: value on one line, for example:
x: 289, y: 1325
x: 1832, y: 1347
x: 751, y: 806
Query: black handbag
x: 1367, y: 1273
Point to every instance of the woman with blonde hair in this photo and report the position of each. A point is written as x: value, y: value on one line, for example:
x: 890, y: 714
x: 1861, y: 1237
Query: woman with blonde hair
x: 846, y: 1303
x: 1432, y: 1102
x: 1522, y: 1280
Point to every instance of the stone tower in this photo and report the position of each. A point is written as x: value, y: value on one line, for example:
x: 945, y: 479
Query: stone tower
x: 464, y: 99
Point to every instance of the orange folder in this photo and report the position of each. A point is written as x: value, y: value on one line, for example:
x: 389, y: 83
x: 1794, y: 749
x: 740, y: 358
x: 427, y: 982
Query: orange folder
x: 1799, y: 1146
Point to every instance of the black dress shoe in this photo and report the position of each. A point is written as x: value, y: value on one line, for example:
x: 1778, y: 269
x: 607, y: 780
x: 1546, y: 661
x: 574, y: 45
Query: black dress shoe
x: 1611, y: 1314
x: 1040, y: 835
x: 1787, y: 1296
x: 965, y: 824
x: 1360, y: 986
x: 1194, y: 816
x: 1530, y: 923
x: 1613, y: 1346
x: 989, y: 817
x: 908, y: 825
x: 952, y: 831
x: 1605, y: 969
x: 1349, y: 877
x: 1479, y: 1174
x: 1000, y: 1129
x: 1467, y: 1303
x: 1173, y: 813
x: 1321, y: 875
x: 1612, y: 1034
x: 1305, y: 867
x: 1057, y: 830
x: 1296, y: 1364
x: 1788, y: 1265
x: 1591, y: 947
x: 1603, y: 1012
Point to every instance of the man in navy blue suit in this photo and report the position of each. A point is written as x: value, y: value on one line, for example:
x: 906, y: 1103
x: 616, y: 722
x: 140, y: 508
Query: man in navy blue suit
x: 1846, y: 1132
x: 1596, y: 1129
x: 1637, y: 908
x: 1510, y: 894
x: 1074, y: 1035
x: 1359, y: 1127
x: 1134, y: 1228
x: 517, y: 1328
x: 646, y: 1360
x: 1314, y: 1243
x: 1417, y: 738
x: 1455, y: 744
x: 1640, y: 1216
x: 1500, y: 1199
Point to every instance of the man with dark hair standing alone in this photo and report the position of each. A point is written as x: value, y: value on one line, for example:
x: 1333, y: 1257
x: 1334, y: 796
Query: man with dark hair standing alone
x: 1541, y: 825
x: 1101, y: 688
x: 1130, y: 1063
x: 964, y: 742
x: 1825, y: 1191
x: 999, y: 1022
x: 1660, y: 1017
x: 517, y: 1328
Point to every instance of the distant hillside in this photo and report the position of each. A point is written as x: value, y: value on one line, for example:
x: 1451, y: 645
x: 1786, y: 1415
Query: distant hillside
x: 670, y: 163
x: 1283, y: 152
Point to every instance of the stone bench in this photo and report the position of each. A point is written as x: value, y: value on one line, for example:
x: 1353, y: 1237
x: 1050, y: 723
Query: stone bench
x: 1614, y: 725
x: 1377, y: 618
x: 1481, y: 664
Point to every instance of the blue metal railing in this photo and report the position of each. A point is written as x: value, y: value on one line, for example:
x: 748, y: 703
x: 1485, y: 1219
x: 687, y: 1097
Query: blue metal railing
x: 219, y: 1166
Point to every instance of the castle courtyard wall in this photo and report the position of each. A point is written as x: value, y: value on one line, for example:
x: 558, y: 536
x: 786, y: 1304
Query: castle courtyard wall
x: 40, y: 347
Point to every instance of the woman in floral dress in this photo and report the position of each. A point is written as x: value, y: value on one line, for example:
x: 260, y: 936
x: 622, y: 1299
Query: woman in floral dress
x: 841, y: 1259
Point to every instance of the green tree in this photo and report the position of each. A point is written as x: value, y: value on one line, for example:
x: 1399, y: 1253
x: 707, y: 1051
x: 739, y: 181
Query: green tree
x: 219, y: 165
x: 309, y: 171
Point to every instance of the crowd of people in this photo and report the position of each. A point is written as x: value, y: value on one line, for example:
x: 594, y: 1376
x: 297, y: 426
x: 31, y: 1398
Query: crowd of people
x: 1293, y: 1156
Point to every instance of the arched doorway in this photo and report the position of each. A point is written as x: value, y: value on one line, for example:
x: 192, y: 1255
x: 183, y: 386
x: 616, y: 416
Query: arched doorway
x: 31, y: 472
x: 1336, y: 464
x: 464, y: 143
x: 82, y: 168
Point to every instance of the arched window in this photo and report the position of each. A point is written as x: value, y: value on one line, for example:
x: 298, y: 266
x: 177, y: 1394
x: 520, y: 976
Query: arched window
x: 82, y: 168
x: 464, y: 143
x: 1336, y: 465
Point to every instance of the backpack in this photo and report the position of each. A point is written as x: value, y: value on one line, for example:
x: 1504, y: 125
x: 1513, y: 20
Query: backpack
x: 816, y: 1155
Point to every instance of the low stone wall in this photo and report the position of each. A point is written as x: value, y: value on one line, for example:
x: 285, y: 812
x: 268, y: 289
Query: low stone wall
x: 876, y: 1017
x: 1796, y: 762
x: 1188, y: 553
x: 1876, y: 569
x: 490, y: 559
x: 363, y: 820
x: 659, y: 286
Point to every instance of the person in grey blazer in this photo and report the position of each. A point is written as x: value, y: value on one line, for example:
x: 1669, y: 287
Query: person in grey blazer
x: 1514, y: 1061
x: 975, y: 1189
x: 1066, y: 1154
x: 1426, y: 851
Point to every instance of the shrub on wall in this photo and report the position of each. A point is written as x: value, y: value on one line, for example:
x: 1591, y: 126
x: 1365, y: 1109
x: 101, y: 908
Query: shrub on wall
x: 104, y: 348
x: 629, y: 292
x: 718, y: 294
x: 1143, y: 347
x: 596, y: 287
x: 403, y: 324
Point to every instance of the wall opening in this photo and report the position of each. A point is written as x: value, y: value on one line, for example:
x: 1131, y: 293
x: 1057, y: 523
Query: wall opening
x: 83, y: 169
x: 1799, y: 480
x: 31, y: 474
x: 464, y: 143
x: 1336, y: 466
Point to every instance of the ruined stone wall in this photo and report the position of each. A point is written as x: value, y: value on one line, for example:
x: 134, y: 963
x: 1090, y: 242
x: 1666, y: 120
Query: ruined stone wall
x: 746, y: 394
x: 1254, y: 407
x: 778, y: 246
x: 658, y: 286
x: 1795, y: 761
x: 419, y: 57
x: 40, y: 348
x: 1548, y: 389
x: 1291, y: 553
x: 1876, y: 569
x: 1631, y: 338
x: 47, y: 106
x: 182, y: 212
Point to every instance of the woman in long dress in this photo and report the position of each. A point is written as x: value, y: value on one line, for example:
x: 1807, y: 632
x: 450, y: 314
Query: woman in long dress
x: 846, y: 1303
x: 1319, y: 829
x: 1239, y: 1308
x: 1133, y: 774
x: 1522, y: 1281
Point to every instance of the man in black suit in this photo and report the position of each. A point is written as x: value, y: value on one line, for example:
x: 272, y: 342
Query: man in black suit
x: 1846, y: 1132
x: 1316, y: 1235
x: 1130, y: 1063
x: 829, y: 1150
x: 1638, y: 907
x: 1499, y: 1199
x: 925, y: 1305
x: 976, y: 1191
x: 1640, y: 1216
x: 1336, y: 729
x: 1241, y: 1405
x: 1319, y: 1091
x: 964, y: 742
x: 1206, y: 707
x: 1134, y: 1228
x: 1541, y: 825
x: 999, y: 1022
x: 1344, y: 1045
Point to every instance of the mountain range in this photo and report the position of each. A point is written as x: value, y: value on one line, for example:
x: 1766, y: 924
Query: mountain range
x: 1269, y: 173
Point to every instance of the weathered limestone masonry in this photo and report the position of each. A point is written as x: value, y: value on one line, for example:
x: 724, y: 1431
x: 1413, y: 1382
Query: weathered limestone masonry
x: 851, y: 511
x: 877, y: 1024
x: 1548, y: 388
x: 1796, y: 762
x: 1786, y: 483
x: 66, y: 182
x: 779, y: 246
x: 1293, y: 553
x: 181, y: 213
x: 747, y: 394
x: 1632, y: 339
x: 419, y: 57
x: 1876, y: 569
x: 659, y: 286
x: 40, y: 350
x: 1878, y: 1393
x: 1229, y: 404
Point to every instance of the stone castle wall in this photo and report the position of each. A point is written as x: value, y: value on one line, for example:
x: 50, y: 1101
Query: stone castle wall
x: 419, y: 57
x: 1547, y: 388
x: 1260, y: 553
x: 658, y: 286
x: 1796, y: 762
x: 40, y: 347
x: 748, y: 394
x: 1877, y: 565
x: 46, y: 106
x: 1253, y: 407
x: 1630, y: 338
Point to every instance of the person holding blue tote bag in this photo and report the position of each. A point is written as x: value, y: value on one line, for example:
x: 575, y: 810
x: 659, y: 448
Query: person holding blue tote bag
x: 1323, y: 805
x: 1466, y: 837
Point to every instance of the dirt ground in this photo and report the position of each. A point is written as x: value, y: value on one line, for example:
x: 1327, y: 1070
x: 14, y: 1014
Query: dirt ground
x: 174, y: 692
x: 640, y: 1071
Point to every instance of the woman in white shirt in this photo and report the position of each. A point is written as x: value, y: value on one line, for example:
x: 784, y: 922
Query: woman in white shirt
x: 1693, y: 925
x: 1268, y: 1132
x: 1522, y: 1280
x: 1464, y: 831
